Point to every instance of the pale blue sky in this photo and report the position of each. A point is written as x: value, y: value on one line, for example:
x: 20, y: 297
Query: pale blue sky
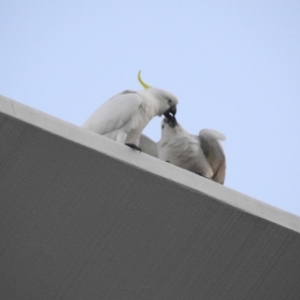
x: 234, y: 65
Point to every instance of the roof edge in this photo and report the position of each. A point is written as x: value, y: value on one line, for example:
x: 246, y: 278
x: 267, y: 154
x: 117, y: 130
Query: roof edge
x: 148, y: 163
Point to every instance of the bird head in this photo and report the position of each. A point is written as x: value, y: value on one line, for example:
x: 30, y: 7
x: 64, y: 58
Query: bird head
x: 169, y: 128
x: 166, y: 101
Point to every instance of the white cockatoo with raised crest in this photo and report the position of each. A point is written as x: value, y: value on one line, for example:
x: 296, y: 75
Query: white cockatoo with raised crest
x: 124, y: 116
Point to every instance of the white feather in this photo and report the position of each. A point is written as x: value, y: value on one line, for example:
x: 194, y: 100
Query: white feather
x: 201, y: 154
x: 114, y: 113
x: 124, y: 116
x: 148, y: 146
x: 213, y: 150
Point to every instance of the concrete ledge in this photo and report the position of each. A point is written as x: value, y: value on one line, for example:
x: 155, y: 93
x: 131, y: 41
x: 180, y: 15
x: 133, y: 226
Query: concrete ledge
x: 143, y: 161
x: 83, y: 217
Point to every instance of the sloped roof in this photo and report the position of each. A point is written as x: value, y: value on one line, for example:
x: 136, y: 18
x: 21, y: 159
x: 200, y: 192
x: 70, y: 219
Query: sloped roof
x: 83, y: 217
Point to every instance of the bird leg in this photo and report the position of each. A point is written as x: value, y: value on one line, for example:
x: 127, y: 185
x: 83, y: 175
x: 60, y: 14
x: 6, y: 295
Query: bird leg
x: 133, y: 146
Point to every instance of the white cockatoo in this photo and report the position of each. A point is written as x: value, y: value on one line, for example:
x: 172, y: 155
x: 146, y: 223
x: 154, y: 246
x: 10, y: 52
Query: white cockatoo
x: 202, y: 154
x: 124, y: 116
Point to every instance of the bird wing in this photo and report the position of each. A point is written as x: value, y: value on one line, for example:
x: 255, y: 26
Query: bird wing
x: 214, y: 152
x: 180, y: 149
x: 114, y: 113
x: 148, y: 146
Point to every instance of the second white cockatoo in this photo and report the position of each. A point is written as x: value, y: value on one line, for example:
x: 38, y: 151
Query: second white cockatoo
x: 202, y: 154
x: 124, y: 116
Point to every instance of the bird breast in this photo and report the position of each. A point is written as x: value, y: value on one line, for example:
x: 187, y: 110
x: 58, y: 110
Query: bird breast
x: 138, y: 122
x: 181, y: 151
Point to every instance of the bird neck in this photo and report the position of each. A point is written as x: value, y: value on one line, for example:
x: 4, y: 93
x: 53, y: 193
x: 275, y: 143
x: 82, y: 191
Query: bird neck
x: 152, y: 101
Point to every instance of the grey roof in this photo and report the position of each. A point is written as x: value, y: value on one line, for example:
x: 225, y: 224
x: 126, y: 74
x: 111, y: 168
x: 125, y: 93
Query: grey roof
x: 83, y: 217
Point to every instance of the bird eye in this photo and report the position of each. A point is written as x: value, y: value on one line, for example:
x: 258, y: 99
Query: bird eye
x: 162, y: 127
x: 169, y: 100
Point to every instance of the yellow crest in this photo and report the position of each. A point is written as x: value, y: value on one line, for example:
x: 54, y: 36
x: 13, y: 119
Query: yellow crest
x: 146, y: 86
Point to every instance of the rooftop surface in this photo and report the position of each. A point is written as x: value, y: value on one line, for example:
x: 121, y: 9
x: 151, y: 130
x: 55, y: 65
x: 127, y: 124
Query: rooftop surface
x: 83, y: 217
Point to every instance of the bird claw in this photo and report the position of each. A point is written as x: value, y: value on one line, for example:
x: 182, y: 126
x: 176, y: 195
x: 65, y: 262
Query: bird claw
x: 133, y: 146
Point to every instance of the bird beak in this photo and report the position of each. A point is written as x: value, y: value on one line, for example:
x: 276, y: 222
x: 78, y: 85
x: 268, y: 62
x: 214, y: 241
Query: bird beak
x: 171, y: 112
x: 171, y: 121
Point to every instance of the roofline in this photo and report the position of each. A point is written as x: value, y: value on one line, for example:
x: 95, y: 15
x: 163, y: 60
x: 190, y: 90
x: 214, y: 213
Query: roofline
x: 148, y: 163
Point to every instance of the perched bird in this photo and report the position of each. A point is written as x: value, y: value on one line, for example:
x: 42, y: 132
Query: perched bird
x: 124, y: 116
x: 200, y: 154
